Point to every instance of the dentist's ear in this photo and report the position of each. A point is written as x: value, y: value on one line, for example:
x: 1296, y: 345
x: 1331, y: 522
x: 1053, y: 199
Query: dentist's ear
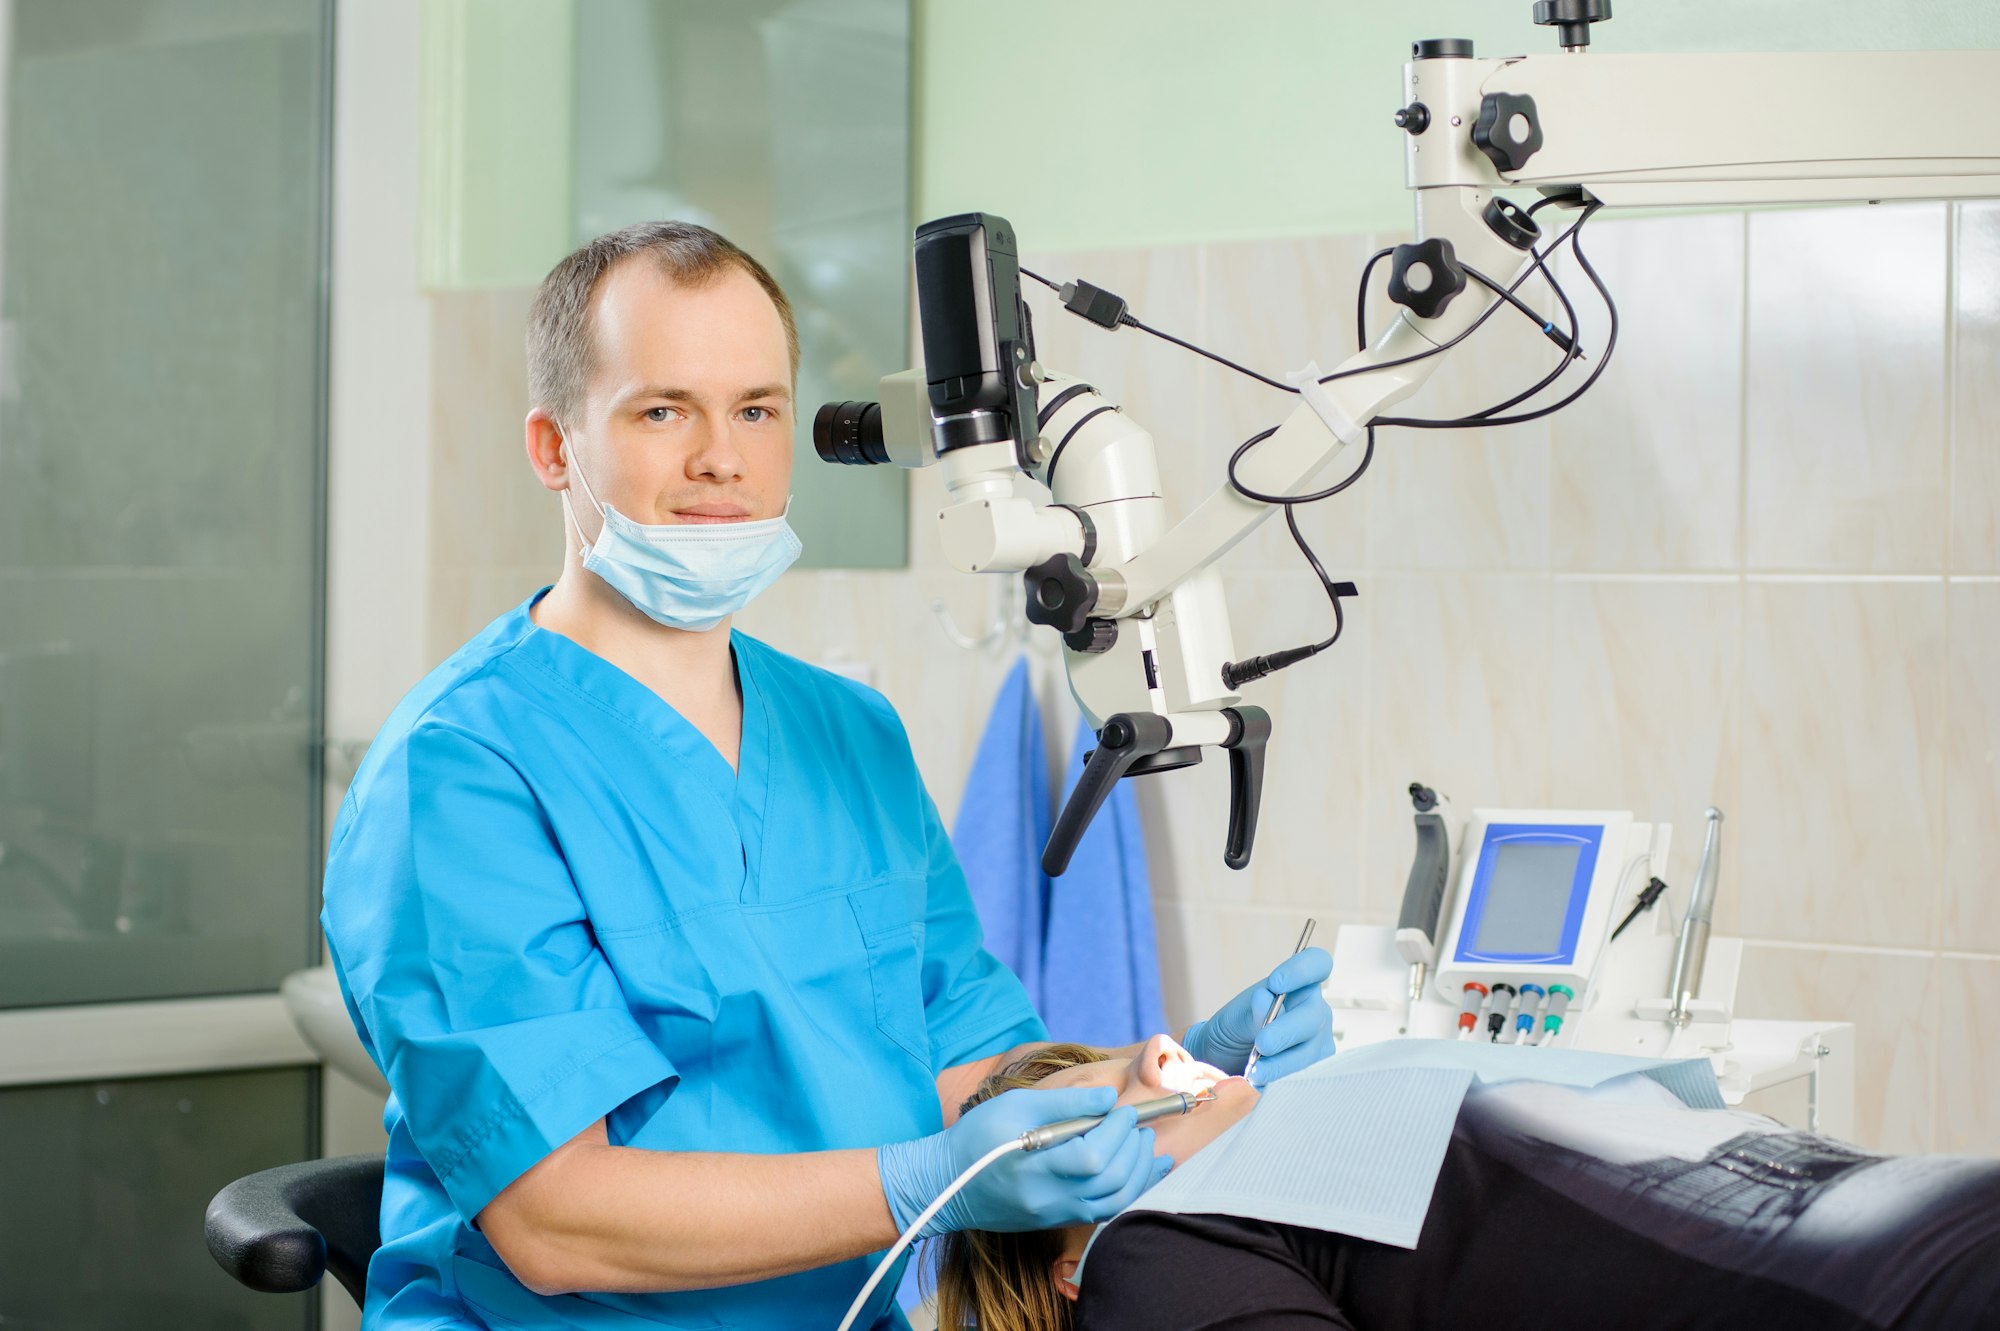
x: 1064, y: 1271
x: 548, y: 451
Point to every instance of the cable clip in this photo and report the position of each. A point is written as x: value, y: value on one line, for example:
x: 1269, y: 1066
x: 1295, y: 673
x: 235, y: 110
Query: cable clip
x: 1315, y: 395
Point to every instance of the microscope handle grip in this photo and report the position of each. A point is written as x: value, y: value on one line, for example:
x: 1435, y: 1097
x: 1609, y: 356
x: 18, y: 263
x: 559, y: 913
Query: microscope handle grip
x: 1250, y: 727
x: 1124, y: 739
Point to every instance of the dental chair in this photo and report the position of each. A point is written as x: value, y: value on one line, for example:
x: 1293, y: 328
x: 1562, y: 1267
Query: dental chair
x: 280, y: 1230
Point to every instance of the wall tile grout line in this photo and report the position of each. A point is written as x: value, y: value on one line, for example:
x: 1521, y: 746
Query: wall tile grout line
x: 1817, y: 945
x: 1952, y: 232
x: 1941, y: 769
x: 1844, y: 579
x: 1740, y: 686
x: 1743, y: 410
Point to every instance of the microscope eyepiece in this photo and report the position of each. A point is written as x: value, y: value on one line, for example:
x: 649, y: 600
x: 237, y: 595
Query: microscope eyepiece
x: 850, y: 433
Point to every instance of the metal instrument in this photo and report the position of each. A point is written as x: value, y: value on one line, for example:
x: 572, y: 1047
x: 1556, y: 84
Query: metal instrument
x: 1278, y: 1003
x: 1055, y: 1134
x: 1692, y: 952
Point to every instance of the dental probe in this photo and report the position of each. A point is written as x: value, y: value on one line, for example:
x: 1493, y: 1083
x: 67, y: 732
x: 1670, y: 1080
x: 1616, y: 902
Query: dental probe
x: 1048, y: 1135
x: 1054, y: 1134
x: 1277, y: 1004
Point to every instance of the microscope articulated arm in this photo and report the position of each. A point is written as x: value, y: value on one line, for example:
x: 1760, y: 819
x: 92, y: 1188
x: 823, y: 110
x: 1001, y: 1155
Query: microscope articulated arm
x: 1306, y: 444
x: 1142, y: 611
x: 1701, y: 130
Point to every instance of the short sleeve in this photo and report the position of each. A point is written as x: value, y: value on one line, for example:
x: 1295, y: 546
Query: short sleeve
x: 468, y: 961
x: 973, y: 1005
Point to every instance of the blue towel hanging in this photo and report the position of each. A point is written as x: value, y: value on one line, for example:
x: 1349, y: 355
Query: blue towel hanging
x: 1101, y: 963
x: 1003, y: 823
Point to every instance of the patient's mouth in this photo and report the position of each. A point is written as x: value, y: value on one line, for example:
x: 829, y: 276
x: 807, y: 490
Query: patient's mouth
x: 1189, y: 1076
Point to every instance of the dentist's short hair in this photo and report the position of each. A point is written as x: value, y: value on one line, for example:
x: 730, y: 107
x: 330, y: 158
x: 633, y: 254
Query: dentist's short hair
x: 562, y: 341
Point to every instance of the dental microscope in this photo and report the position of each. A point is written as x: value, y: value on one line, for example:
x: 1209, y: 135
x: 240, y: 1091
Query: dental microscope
x: 1049, y: 481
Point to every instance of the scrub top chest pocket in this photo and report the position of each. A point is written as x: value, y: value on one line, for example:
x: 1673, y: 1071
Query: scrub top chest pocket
x: 891, y: 919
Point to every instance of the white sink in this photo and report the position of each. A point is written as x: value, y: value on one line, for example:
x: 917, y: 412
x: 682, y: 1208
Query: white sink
x: 312, y: 996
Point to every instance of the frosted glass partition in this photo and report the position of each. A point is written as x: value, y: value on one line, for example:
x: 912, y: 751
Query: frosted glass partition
x: 161, y: 319
x: 784, y: 124
x: 105, y: 1186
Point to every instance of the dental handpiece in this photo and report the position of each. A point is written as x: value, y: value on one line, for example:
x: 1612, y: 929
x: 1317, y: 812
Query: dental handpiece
x: 1054, y: 1134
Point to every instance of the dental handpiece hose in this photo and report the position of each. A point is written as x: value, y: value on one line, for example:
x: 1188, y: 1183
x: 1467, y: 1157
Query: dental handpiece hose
x: 1278, y: 1003
x: 1037, y: 1139
x: 1691, y: 953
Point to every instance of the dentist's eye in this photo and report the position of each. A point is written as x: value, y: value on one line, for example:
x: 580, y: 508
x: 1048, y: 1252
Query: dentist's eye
x: 660, y: 415
x: 757, y: 415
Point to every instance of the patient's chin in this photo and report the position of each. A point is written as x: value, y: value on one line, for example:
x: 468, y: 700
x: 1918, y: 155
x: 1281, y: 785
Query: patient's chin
x: 1235, y: 1089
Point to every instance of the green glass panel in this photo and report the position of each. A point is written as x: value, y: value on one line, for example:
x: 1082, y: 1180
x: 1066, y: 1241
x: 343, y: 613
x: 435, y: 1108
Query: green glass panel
x: 105, y: 1187
x: 785, y: 125
x: 160, y: 483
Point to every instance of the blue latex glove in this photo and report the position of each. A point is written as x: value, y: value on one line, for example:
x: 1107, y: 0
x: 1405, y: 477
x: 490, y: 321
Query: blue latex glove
x: 1300, y: 1037
x: 1084, y: 1180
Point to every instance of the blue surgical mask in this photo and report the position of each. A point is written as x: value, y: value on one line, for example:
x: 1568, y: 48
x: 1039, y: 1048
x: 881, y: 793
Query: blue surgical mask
x: 686, y: 575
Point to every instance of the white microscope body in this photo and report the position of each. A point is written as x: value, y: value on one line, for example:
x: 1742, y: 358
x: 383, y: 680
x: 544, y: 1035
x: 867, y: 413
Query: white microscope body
x: 1047, y: 479
x: 1043, y: 474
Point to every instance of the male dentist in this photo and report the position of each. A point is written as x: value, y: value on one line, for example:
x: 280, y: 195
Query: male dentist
x: 653, y: 929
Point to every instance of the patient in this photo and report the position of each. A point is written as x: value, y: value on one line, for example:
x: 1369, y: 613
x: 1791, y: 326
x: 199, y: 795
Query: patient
x: 1629, y: 1210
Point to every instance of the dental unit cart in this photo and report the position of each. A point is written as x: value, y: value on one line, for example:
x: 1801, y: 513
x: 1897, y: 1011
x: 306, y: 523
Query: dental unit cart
x: 1511, y: 933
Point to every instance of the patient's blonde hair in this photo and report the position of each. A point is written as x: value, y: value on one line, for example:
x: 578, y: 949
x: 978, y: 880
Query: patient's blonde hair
x: 1004, y: 1282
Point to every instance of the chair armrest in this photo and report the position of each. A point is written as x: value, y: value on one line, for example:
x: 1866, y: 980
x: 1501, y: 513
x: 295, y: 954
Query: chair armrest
x: 281, y: 1229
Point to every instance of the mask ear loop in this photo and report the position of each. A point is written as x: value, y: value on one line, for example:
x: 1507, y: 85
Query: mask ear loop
x: 583, y: 546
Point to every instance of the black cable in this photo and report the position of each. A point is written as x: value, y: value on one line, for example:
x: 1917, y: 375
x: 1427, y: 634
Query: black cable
x: 1442, y: 347
x: 1610, y: 346
x: 1361, y: 303
x: 1112, y: 312
x: 1487, y: 415
x: 1571, y: 353
x: 1109, y: 311
x: 1367, y: 456
x: 1236, y: 673
x: 1332, y: 594
x: 1220, y: 360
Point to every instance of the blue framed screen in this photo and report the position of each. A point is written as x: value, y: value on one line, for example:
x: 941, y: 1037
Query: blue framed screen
x: 1528, y: 895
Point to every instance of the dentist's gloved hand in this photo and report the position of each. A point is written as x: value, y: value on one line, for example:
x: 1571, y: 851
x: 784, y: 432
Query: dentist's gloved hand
x: 1301, y: 1036
x: 1084, y: 1180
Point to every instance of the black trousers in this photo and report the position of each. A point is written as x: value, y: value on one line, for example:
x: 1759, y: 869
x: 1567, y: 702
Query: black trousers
x: 1535, y: 1239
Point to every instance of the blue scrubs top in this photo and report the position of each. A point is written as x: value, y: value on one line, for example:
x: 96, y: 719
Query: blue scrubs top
x: 550, y: 901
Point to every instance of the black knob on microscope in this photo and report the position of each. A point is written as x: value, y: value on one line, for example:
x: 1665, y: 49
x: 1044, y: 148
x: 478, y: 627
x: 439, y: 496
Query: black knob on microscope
x: 1415, y: 118
x: 1096, y: 635
x: 1510, y: 221
x: 1508, y: 130
x: 1061, y: 594
x: 1572, y: 18
x: 1424, y: 276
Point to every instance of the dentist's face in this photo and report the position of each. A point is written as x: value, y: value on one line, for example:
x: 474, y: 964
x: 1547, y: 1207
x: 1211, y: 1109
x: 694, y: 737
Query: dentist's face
x: 688, y: 417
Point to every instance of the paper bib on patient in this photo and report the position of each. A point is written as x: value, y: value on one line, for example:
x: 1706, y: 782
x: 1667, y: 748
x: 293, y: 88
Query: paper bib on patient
x: 1353, y: 1145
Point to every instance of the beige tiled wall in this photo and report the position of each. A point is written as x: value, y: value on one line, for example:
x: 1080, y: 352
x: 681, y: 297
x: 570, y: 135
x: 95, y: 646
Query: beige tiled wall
x: 1759, y: 566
